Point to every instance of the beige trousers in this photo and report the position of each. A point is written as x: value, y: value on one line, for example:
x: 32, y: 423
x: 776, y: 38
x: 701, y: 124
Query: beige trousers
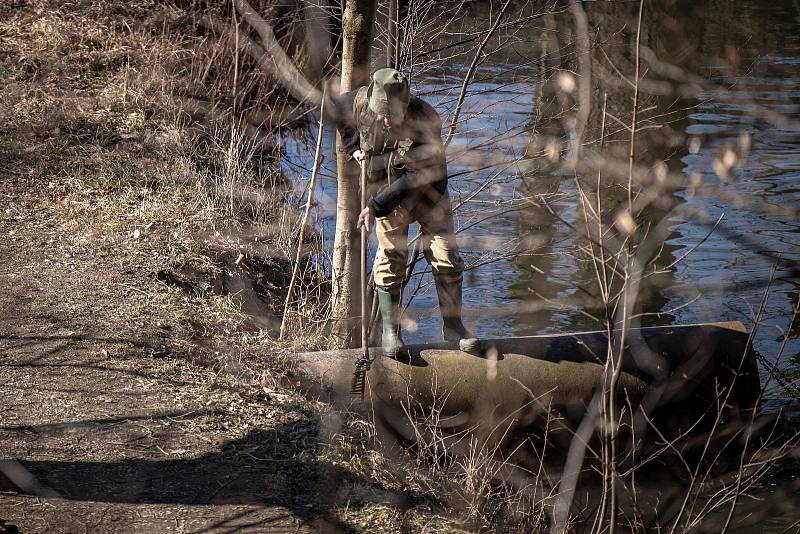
x: 438, y: 241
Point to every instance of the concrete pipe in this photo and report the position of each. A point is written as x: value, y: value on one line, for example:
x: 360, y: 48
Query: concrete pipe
x: 672, y: 377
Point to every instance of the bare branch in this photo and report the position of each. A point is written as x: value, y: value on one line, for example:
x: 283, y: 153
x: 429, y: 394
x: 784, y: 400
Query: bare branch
x: 275, y: 60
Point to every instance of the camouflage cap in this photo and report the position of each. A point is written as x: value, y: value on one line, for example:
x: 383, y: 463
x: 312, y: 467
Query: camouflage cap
x: 389, y: 93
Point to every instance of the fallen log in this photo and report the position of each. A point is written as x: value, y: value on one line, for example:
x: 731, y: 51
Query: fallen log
x: 677, y: 376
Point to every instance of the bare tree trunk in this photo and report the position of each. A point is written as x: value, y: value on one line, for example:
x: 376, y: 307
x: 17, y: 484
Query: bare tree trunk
x: 345, y: 306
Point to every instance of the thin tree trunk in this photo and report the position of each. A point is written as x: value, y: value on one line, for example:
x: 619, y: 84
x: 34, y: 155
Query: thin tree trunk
x: 345, y: 306
x: 309, y: 204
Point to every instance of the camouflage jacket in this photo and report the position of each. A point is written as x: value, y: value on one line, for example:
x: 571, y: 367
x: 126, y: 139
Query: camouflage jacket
x: 407, y: 159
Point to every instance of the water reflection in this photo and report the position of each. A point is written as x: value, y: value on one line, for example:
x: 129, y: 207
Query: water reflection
x: 725, y: 270
x: 547, y: 284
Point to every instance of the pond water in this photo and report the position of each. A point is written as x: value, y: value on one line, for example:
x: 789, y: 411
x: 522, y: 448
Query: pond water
x: 541, y: 291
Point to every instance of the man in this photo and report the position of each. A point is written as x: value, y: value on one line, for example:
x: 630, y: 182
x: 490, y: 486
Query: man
x: 399, y: 138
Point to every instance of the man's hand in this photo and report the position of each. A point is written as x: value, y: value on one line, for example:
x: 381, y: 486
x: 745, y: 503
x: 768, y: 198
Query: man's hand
x: 363, y: 219
x: 359, y: 156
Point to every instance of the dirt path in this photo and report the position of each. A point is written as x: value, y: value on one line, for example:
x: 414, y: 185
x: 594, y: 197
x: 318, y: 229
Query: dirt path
x: 103, y: 430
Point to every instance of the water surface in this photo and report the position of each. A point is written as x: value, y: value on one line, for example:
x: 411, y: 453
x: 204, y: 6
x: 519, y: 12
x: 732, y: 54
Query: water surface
x: 543, y: 288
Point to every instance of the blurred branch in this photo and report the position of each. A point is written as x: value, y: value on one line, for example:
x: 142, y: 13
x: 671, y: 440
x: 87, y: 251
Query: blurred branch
x: 585, y: 75
x: 274, y: 58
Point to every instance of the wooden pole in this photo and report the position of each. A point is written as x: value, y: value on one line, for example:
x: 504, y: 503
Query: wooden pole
x: 365, y: 315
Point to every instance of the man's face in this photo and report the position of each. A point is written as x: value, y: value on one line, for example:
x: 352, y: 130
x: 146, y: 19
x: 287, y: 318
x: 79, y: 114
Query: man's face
x: 391, y: 120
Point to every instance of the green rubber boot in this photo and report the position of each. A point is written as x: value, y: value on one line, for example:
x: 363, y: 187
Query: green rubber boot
x: 389, y: 304
x: 448, y: 289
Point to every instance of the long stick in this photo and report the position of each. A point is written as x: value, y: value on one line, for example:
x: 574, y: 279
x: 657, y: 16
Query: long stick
x: 364, y: 311
x: 309, y: 203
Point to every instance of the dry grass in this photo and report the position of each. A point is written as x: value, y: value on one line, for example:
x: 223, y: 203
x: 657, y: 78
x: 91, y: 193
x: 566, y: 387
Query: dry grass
x: 92, y: 121
x: 134, y: 217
